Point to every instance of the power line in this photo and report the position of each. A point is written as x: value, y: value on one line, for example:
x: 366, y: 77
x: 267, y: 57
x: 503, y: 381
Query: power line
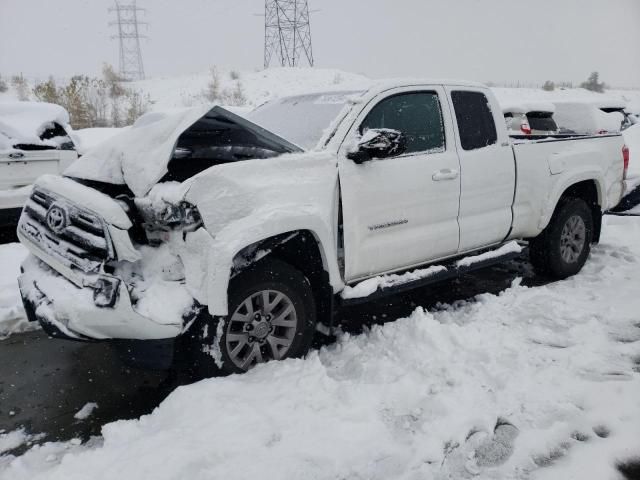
x: 287, y: 33
x: 131, y: 66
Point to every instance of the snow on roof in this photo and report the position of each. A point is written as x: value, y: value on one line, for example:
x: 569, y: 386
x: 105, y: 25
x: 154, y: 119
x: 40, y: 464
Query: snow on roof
x: 598, y: 102
x: 24, y: 122
x: 526, y: 107
x: 87, y: 138
x: 586, y: 117
x: 388, y: 83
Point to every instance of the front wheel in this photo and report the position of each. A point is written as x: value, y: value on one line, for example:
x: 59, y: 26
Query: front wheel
x: 272, y: 316
x: 562, y: 249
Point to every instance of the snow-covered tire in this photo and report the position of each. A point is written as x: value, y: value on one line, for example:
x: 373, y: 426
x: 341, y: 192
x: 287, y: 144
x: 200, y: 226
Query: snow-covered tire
x: 272, y: 316
x: 562, y: 248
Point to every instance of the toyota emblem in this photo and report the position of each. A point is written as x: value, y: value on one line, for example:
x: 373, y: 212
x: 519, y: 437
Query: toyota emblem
x: 57, y: 218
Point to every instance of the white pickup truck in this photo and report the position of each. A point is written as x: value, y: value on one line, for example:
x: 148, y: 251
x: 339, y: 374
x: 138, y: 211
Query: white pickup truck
x: 34, y: 140
x: 235, y: 239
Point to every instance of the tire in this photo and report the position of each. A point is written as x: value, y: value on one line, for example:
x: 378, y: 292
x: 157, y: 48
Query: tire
x: 252, y: 334
x: 562, y: 248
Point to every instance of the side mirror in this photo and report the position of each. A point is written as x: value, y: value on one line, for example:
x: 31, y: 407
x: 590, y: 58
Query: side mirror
x: 379, y: 143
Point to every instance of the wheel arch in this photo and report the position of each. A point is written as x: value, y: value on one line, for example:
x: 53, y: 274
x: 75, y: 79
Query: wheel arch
x: 589, y: 189
x: 303, y: 249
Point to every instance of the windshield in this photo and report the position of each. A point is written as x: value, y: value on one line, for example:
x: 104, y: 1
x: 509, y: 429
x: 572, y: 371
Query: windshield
x: 302, y: 119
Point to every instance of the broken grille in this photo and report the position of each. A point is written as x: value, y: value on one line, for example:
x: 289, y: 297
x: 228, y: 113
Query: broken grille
x: 70, y: 233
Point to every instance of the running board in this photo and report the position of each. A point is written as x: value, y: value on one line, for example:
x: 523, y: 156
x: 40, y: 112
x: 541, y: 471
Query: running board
x: 622, y: 214
x: 385, y: 285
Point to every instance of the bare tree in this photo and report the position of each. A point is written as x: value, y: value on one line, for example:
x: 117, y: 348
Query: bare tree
x: 549, y: 86
x: 113, y: 81
x: 234, y: 96
x: 22, y: 87
x: 3, y: 85
x: 212, y: 93
x: 47, y: 91
x: 593, y: 83
x: 137, y: 105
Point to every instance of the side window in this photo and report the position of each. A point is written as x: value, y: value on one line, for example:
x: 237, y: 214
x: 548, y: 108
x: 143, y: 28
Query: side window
x: 475, y: 120
x: 417, y: 115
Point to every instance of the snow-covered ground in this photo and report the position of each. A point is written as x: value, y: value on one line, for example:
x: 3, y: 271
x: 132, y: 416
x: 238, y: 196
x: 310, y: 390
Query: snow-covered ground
x: 258, y: 87
x: 534, y: 383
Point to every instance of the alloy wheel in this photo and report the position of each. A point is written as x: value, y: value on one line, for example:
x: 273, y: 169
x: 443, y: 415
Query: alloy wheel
x: 262, y: 328
x: 572, y: 239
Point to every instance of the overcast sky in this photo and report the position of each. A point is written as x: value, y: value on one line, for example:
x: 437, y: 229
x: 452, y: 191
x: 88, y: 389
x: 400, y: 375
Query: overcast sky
x: 485, y: 40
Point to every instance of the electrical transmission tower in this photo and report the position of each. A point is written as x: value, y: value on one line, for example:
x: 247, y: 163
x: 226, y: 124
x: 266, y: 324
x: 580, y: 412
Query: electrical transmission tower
x: 287, y: 32
x: 131, y: 67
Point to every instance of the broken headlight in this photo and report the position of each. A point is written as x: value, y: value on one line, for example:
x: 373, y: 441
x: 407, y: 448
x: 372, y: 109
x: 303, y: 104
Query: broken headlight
x: 183, y: 216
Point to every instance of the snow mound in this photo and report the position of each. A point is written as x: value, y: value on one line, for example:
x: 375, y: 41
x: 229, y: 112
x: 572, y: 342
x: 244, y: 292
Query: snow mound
x: 86, y: 411
x: 12, y: 316
x: 531, y: 383
x: 258, y: 87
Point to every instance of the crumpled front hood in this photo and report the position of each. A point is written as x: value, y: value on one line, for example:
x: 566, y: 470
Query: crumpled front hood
x: 139, y: 156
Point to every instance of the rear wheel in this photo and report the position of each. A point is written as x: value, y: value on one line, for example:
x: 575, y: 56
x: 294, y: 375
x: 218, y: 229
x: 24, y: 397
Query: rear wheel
x: 562, y: 249
x: 271, y: 317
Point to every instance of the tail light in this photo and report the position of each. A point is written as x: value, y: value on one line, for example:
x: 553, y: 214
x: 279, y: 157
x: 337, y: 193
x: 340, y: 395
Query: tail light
x: 625, y: 160
x: 525, y: 128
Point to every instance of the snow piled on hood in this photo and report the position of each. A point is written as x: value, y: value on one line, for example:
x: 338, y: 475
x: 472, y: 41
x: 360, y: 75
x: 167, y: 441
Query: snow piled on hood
x: 139, y: 155
x: 537, y: 383
x: 24, y: 122
x: 87, y: 138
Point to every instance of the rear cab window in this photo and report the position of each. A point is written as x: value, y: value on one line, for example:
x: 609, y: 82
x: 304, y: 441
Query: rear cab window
x: 476, y: 124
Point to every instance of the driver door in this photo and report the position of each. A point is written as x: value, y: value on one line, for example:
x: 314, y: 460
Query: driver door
x: 401, y: 211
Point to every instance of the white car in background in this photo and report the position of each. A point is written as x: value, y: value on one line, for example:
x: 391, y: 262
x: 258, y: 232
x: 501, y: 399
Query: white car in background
x: 34, y: 140
x: 588, y: 118
x: 530, y: 118
x: 620, y: 108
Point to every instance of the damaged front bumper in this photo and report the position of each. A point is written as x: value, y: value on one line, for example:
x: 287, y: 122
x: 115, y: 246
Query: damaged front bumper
x: 68, y: 311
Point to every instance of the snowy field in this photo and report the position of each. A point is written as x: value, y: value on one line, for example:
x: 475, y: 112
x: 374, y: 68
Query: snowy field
x: 535, y: 383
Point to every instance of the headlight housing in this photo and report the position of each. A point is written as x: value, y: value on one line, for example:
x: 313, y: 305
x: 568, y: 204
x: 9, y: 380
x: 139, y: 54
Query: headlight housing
x: 165, y: 217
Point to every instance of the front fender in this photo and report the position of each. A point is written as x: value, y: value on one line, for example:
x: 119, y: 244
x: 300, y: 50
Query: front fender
x: 252, y: 230
x: 243, y: 203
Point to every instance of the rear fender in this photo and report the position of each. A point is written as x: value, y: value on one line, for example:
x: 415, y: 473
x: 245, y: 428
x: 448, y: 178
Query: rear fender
x: 563, y: 182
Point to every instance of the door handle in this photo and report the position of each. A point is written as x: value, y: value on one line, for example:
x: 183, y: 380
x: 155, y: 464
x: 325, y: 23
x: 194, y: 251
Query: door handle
x: 446, y: 174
